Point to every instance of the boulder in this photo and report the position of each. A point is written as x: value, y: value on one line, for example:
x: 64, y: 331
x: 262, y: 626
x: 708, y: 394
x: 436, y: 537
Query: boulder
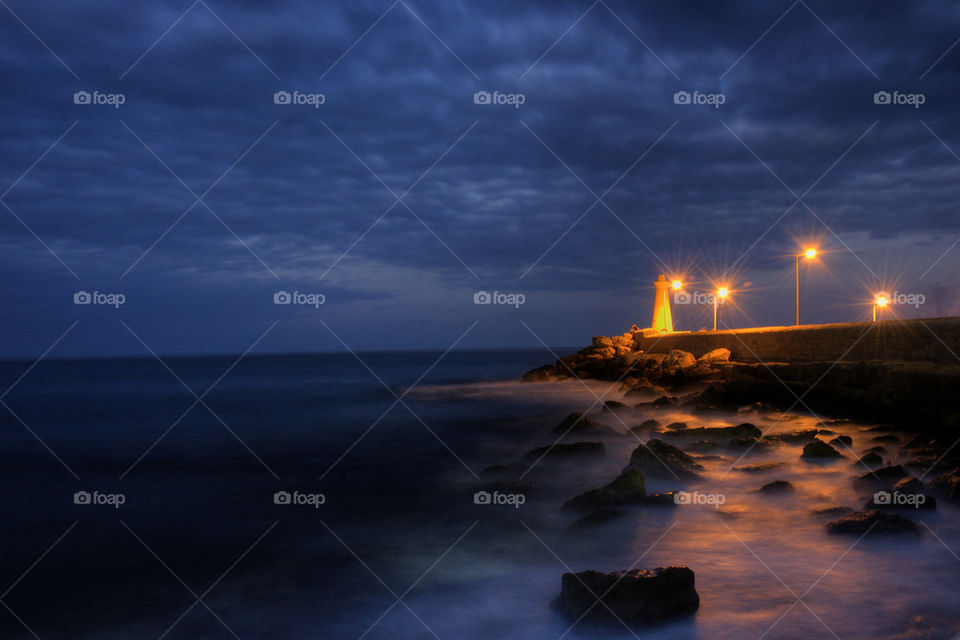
x: 745, y: 430
x: 860, y: 522
x: 870, y: 461
x: 677, y: 426
x: 545, y: 373
x: 794, y: 437
x: 882, y: 479
x: 778, y: 487
x: 577, y: 423
x: 760, y: 467
x: 645, y: 425
x: 748, y: 444
x: 600, y: 342
x: 571, y: 450
x: 948, y: 485
x: 628, y: 487
x: 678, y: 359
x: 842, y: 441
x: 662, y: 401
x: 716, y: 355
x: 610, y: 405
x: 658, y: 458
x: 818, y: 449
x: 639, y: 597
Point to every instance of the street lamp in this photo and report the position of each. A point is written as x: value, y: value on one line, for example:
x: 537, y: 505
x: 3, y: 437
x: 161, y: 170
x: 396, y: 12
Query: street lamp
x: 722, y: 293
x: 677, y: 285
x: 880, y: 302
x: 808, y: 254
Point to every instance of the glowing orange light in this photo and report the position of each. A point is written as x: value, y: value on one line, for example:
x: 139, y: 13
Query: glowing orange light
x: 882, y: 301
x: 722, y: 292
x: 810, y: 253
x: 677, y: 285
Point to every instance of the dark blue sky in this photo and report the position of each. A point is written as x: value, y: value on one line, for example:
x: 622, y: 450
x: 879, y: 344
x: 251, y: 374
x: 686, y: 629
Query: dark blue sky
x: 495, y: 197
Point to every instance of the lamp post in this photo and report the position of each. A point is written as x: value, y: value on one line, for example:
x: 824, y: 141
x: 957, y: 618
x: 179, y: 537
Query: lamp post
x: 721, y: 294
x: 809, y: 254
x: 879, y: 302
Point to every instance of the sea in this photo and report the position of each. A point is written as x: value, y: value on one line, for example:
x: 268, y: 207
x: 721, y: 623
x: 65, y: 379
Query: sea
x: 350, y: 496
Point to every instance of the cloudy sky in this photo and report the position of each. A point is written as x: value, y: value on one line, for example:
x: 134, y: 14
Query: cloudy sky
x: 566, y: 151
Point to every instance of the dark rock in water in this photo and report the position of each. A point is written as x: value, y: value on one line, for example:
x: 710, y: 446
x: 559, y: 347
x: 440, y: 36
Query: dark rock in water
x: 545, y: 373
x: 662, y: 401
x: 841, y: 441
x: 886, y: 438
x: 628, y: 487
x: 677, y: 426
x: 778, y: 487
x: 859, y: 522
x: 577, y: 423
x: 876, y: 449
x: 658, y: 458
x: 571, y: 450
x: 832, y: 511
x: 881, y: 479
x: 745, y: 430
x: 713, y: 398
x: 701, y: 446
x: 609, y: 405
x: 794, y: 437
x: 639, y: 597
x: 948, y: 485
x: 661, y: 499
x: 646, y: 425
x: 907, y: 493
x: 870, y: 460
x: 597, y: 518
x: 819, y: 449
x: 760, y: 467
x: 751, y: 444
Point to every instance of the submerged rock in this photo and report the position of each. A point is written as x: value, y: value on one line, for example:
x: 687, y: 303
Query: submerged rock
x: 859, y: 522
x: 610, y: 405
x: 658, y: 458
x: 744, y: 430
x: 645, y: 425
x: 628, y: 487
x: 870, y: 460
x: 839, y: 441
x: 818, y: 449
x: 677, y: 426
x: 794, y: 437
x: 546, y: 373
x: 778, y: 487
x: 662, y: 401
x: 760, y: 467
x: 638, y: 597
x: 577, y: 423
x: 881, y: 479
x: 571, y: 450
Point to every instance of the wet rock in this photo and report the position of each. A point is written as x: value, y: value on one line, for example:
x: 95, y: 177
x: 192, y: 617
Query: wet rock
x: 661, y: 499
x: 876, y: 449
x: 907, y: 494
x: 677, y: 426
x: 860, y: 522
x: 818, y: 449
x: 645, y: 426
x: 842, y: 441
x: 628, y: 487
x: 701, y: 446
x: 546, y: 373
x: 662, y: 401
x: 870, y: 461
x: 748, y: 444
x: 882, y: 479
x: 832, y: 511
x: 760, y: 467
x: 794, y: 437
x: 609, y: 405
x: 577, y: 423
x: 658, y: 458
x: 716, y: 355
x: 745, y: 430
x: 778, y: 487
x: 563, y: 451
x: 948, y: 485
x: 596, y: 519
x: 639, y: 597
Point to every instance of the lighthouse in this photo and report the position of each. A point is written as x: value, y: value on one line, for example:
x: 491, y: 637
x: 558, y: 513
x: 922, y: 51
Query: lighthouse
x: 662, y: 318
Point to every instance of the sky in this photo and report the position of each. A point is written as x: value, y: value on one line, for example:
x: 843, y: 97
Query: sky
x: 181, y: 166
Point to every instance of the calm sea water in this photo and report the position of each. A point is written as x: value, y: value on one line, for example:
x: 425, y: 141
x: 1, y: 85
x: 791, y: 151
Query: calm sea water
x: 399, y: 549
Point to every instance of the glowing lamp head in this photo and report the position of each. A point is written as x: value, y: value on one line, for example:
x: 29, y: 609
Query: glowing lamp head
x: 722, y: 292
x: 882, y: 301
x: 677, y: 285
x: 810, y: 253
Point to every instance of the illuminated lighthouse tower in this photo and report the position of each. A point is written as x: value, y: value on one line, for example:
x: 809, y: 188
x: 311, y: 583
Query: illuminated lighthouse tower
x: 662, y: 318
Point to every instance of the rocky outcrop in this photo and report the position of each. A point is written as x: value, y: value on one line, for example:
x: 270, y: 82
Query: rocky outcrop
x: 578, y: 424
x: 628, y: 487
x: 819, y: 450
x: 716, y: 355
x: 658, y: 458
x: 777, y: 487
x: 744, y: 430
x: 639, y: 597
x: 860, y: 522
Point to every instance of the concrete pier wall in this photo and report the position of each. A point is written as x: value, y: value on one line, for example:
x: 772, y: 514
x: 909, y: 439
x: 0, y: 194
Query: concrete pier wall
x: 929, y: 340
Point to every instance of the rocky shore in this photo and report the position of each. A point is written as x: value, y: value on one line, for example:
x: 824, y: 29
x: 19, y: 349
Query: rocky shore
x: 897, y: 476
